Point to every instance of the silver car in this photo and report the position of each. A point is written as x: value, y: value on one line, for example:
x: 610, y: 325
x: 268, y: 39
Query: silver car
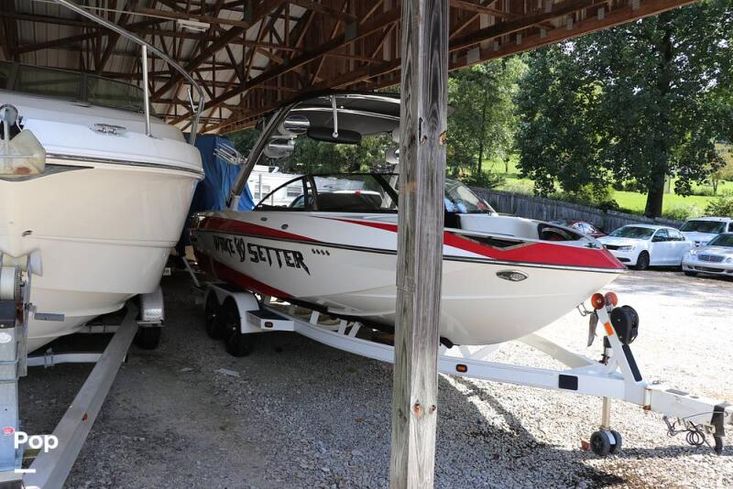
x: 716, y: 258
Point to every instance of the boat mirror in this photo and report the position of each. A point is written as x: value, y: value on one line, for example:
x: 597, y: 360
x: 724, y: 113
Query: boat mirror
x: 396, y: 134
x: 326, y: 134
x: 392, y: 156
x: 280, y: 150
x: 294, y: 125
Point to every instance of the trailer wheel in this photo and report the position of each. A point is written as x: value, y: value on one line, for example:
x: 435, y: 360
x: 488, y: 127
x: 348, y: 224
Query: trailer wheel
x: 236, y: 343
x: 148, y: 338
x: 616, y: 447
x: 600, y: 443
x: 214, y: 327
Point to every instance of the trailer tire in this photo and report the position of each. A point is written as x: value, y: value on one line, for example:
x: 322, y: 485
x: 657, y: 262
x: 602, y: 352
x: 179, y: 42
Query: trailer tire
x: 600, y: 443
x: 236, y: 343
x: 148, y: 337
x: 214, y: 328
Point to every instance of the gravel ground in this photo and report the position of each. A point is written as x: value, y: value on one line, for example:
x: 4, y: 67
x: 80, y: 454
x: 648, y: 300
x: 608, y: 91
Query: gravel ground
x: 296, y: 414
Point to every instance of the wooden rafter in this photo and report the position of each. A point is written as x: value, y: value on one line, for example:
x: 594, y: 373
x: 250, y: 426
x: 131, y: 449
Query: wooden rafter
x: 252, y: 55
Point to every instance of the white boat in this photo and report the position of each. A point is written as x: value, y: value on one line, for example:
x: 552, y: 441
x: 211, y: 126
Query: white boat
x: 333, y: 247
x: 92, y: 197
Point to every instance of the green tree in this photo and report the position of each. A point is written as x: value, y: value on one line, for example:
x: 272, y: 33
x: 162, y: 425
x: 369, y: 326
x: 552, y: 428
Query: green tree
x: 643, y: 101
x: 482, y: 122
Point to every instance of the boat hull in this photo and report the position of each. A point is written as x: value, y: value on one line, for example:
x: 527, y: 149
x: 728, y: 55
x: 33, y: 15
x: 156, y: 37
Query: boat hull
x: 101, y: 240
x: 357, y: 277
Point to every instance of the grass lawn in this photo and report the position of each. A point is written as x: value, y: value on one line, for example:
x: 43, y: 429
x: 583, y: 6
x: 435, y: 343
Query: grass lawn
x: 635, y: 202
x: 630, y: 201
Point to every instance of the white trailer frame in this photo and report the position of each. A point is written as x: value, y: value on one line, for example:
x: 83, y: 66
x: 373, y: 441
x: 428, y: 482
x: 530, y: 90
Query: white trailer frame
x: 615, y: 377
x: 50, y: 468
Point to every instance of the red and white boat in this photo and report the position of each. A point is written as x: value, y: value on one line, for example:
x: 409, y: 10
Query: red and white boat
x: 333, y: 246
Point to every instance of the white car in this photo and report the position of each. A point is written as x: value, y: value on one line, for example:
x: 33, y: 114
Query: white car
x: 702, y: 229
x: 715, y: 258
x: 642, y: 245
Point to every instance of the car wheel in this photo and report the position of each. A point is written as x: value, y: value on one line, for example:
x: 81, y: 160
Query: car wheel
x: 690, y: 274
x: 642, y: 262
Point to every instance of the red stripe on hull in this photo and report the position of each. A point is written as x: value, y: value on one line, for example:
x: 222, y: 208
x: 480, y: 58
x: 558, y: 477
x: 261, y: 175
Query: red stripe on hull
x: 235, y: 226
x: 229, y: 275
x: 539, y: 253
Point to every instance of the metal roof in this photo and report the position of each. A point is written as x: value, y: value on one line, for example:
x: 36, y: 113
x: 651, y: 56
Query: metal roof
x: 253, y: 55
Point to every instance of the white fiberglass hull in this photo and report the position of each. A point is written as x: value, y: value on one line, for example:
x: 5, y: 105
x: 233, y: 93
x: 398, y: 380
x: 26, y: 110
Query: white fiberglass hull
x: 97, y: 223
x: 357, y: 275
x: 100, y: 235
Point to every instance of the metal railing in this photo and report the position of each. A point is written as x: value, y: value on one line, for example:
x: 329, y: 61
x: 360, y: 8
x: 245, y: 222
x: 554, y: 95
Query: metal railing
x: 196, y: 107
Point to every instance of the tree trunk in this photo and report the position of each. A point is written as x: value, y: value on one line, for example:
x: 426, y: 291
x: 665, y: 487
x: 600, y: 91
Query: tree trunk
x: 655, y: 196
x: 658, y: 174
x: 481, y: 136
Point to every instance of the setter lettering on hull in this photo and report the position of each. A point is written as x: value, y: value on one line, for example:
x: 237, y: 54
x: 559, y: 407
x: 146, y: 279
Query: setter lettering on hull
x: 259, y: 253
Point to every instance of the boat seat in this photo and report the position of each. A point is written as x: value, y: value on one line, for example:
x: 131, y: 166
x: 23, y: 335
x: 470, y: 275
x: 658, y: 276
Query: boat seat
x: 349, y: 202
x: 452, y: 220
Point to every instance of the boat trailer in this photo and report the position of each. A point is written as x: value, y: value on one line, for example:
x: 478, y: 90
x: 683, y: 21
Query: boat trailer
x: 238, y: 316
x: 58, y: 451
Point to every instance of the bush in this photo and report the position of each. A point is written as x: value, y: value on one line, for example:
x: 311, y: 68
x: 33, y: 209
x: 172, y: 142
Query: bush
x: 702, y: 190
x: 484, y: 180
x: 681, y: 212
x: 598, y: 196
x: 722, y: 206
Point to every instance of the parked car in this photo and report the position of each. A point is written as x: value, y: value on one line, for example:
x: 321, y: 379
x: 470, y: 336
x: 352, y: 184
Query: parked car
x: 643, y: 245
x: 702, y: 229
x: 582, y: 227
x: 716, y: 258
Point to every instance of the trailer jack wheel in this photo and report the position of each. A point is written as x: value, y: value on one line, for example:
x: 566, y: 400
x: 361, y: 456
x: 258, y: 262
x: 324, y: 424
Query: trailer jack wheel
x: 604, y: 442
x: 616, y: 447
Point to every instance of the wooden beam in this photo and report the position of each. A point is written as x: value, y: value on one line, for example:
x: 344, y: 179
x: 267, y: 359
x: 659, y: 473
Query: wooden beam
x: 479, y: 8
x: 325, y: 10
x: 342, y: 40
x: 423, y: 122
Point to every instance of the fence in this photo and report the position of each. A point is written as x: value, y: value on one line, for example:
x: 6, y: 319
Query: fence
x: 548, y: 210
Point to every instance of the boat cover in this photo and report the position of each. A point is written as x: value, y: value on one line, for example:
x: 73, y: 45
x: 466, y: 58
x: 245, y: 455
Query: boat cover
x: 212, y: 192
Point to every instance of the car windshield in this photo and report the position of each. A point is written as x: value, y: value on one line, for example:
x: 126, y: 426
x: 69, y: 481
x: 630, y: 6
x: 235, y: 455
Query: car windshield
x: 634, y: 232
x: 722, y: 240
x: 699, y: 226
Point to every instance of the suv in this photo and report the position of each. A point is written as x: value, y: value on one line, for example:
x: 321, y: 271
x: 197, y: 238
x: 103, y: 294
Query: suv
x: 702, y: 229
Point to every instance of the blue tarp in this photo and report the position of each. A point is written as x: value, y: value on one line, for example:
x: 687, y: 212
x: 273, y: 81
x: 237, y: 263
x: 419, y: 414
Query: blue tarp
x: 212, y: 192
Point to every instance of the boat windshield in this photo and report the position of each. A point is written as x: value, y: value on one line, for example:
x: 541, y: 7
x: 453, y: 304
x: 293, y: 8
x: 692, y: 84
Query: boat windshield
x: 634, y: 232
x: 78, y: 87
x: 334, y: 193
x: 362, y: 193
x: 722, y: 240
x: 461, y: 199
x: 700, y: 226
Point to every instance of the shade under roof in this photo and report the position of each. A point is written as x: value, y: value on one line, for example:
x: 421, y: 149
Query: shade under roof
x: 253, y: 55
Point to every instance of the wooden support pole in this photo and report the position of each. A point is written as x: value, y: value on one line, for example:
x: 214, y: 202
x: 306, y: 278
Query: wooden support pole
x: 423, y: 123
